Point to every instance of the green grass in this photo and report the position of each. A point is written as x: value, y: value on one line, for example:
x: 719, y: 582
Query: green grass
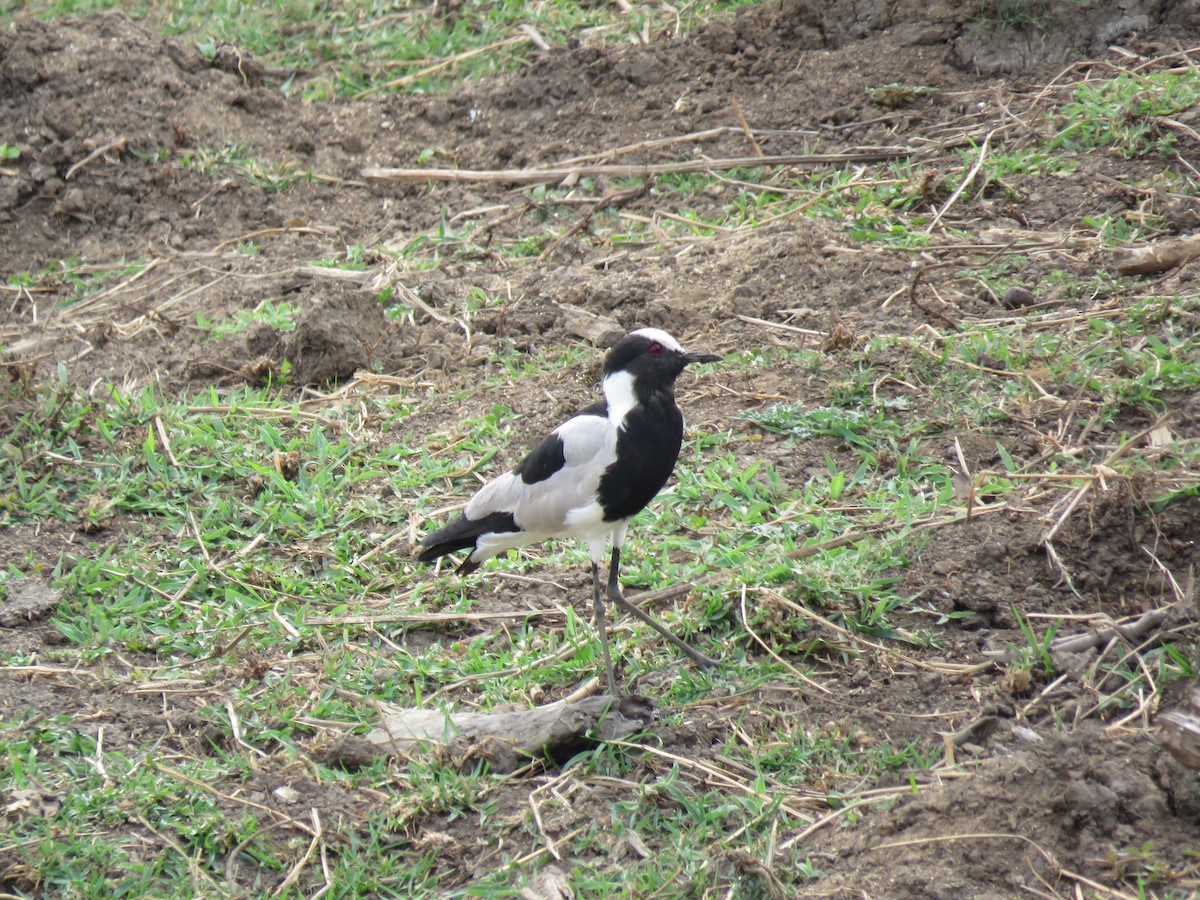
x: 209, y: 530
x: 235, y: 158
x: 1125, y: 113
x: 364, y: 46
x: 1019, y: 15
x: 242, y: 514
x: 277, y: 315
x: 73, y: 280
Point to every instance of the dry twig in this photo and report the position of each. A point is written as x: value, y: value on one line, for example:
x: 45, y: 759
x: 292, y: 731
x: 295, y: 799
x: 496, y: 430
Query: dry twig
x: 448, y: 62
x: 553, y: 176
x: 966, y: 183
x: 1132, y: 632
x: 1158, y: 256
x: 118, y: 144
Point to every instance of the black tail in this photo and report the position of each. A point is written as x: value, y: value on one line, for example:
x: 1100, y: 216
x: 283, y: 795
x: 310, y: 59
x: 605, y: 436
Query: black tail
x: 461, y: 534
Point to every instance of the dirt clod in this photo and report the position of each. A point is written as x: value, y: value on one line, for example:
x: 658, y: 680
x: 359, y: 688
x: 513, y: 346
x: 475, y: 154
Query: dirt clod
x: 335, y: 336
x: 28, y: 600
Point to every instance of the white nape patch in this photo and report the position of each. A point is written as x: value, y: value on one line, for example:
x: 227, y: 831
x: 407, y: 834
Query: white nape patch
x: 618, y: 390
x: 657, y: 334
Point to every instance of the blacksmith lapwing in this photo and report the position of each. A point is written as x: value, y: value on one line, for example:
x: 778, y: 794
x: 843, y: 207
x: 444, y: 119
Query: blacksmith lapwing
x: 589, y: 477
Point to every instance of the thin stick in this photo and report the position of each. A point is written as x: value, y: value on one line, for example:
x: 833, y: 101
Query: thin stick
x: 565, y: 652
x: 945, y: 668
x: 265, y: 232
x: 196, y: 782
x: 946, y: 838
x: 551, y: 176
x: 966, y: 182
x: 710, y: 771
x: 535, y: 805
x: 851, y: 537
x: 737, y: 111
x: 1079, y: 493
x: 75, y: 308
x: 647, y: 598
x: 431, y: 618
x: 684, y: 220
x: 232, y: 857
x: 780, y: 326
x: 775, y: 656
x: 287, y: 626
x: 99, y: 761
x: 612, y: 198
x: 535, y: 37
x: 261, y: 411
x: 1096, y: 886
x: 294, y: 875
x: 235, y: 726
x: 834, y: 816
x: 194, y: 867
x: 444, y: 64
x: 534, y: 854
x: 695, y: 136
x: 166, y: 442
x: 413, y: 298
x: 118, y: 144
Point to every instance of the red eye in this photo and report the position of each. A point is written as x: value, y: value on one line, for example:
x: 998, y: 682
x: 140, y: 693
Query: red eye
x: 656, y: 349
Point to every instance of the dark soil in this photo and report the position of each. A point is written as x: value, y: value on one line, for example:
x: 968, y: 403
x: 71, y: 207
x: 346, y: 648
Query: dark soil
x: 1079, y: 796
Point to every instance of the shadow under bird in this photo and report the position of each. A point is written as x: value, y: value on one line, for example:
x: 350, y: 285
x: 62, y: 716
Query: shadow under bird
x: 588, y: 477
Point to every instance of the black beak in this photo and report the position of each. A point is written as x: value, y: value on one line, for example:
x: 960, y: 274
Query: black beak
x: 701, y: 357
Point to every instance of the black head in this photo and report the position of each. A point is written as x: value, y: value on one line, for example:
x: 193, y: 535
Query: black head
x: 652, y: 357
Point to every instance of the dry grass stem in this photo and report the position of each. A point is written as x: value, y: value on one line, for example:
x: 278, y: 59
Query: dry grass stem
x: 118, y: 145
x: 709, y: 773
x: 967, y: 182
x: 294, y: 875
x: 745, y: 126
x: 981, y: 836
x: 441, y: 65
x: 775, y: 656
x: 430, y: 618
x: 650, y: 170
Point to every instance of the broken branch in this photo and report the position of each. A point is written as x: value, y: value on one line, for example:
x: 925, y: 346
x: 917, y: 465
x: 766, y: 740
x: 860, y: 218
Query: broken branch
x: 1157, y: 257
x: 614, y: 170
x: 1080, y: 642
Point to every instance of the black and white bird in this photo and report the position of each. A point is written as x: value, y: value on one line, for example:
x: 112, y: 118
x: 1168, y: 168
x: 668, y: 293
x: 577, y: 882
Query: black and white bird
x: 589, y: 477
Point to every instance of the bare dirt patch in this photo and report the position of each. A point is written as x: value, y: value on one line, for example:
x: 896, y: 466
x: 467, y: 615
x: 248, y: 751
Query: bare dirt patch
x: 104, y: 111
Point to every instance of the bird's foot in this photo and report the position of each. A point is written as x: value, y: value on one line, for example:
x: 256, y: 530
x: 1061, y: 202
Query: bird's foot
x: 702, y: 660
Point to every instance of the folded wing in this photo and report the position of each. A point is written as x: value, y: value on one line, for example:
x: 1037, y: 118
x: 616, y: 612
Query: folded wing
x: 561, y: 474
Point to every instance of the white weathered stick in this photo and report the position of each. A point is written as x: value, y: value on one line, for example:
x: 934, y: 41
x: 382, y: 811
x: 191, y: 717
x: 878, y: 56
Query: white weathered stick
x: 1157, y: 257
x: 966, y: 182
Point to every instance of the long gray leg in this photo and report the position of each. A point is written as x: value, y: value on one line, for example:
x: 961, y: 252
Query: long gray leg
x: 598, y: 605
x: 615, y: 595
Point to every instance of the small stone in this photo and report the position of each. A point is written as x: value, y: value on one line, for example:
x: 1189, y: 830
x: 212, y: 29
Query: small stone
x: 74, y: 200
x: 1028, y: 735
x: 1017, y: 298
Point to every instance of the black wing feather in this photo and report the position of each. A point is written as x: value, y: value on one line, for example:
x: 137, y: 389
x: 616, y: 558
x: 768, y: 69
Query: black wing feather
x: 461, y: 534
x: 543, y: 461
x: 548, y: 457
